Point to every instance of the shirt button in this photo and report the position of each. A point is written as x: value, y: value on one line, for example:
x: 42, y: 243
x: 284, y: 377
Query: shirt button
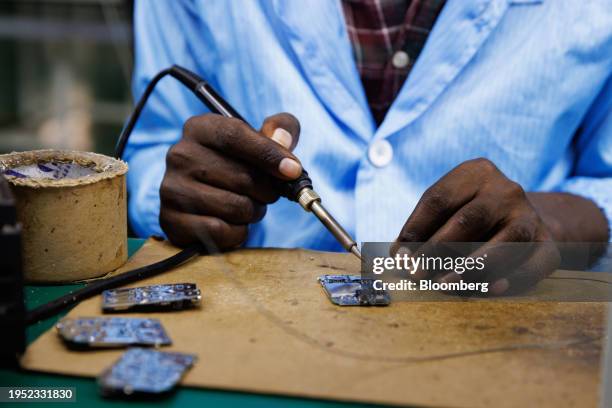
x: 400, y: 59
x: 380, y: 153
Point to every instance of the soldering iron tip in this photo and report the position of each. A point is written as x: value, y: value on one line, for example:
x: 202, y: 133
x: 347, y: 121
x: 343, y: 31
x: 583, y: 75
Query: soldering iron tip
x: 355, y: 251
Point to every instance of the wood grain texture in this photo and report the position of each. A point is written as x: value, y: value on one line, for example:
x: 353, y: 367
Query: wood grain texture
x: 266, y: 326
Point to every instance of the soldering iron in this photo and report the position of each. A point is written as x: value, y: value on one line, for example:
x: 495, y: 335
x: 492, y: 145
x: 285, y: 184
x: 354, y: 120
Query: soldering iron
x: 299, y: 190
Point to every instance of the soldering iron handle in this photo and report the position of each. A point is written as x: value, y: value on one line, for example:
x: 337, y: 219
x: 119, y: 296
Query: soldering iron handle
x: 204, y: 92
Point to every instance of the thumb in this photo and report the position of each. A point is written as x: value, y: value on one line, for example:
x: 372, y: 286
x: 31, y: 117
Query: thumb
x: 283, y: 128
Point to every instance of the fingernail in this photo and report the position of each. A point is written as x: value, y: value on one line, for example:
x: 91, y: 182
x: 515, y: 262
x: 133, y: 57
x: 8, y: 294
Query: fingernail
x: 290, y: 168
x: 499, y: 287
x: 282, y: 137
x: 404, y: 251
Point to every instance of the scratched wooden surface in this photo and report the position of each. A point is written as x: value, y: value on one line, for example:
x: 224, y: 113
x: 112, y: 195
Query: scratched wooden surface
x: 266, y: 326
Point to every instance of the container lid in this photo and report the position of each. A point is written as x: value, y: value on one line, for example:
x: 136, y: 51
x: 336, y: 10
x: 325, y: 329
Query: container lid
x: 58, y: 168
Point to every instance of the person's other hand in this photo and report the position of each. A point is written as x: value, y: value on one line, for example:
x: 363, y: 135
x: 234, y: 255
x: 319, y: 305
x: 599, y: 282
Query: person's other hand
x: 475, y: 202
x: 221, y: 175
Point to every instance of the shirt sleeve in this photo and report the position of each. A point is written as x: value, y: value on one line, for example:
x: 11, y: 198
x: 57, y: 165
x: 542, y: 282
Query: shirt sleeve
x: 592, y: 176
x: 160, y: 36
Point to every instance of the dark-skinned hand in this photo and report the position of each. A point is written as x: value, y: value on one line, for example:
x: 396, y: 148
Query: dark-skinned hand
x: 221, y: 175
x: 476, y: 202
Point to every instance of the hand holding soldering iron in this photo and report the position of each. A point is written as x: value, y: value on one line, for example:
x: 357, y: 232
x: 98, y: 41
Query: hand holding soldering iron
x: 221, y: 175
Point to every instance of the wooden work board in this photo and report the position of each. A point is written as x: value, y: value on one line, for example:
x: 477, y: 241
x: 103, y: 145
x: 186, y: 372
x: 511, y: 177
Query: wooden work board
x: 266, y: 326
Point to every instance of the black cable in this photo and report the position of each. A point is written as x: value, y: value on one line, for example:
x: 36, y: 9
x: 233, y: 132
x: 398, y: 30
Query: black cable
x: 127, y: 130
x: 96, y: 287
x: 193, y: 82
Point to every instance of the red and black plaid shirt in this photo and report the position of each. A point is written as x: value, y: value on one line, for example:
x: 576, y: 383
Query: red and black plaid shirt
x: 387, y: 37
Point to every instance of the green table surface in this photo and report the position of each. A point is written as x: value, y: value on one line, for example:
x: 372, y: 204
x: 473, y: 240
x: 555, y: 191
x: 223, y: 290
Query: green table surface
x: 86, y: 389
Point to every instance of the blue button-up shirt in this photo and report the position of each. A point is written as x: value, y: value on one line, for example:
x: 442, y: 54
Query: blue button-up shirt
x: 525, y: 83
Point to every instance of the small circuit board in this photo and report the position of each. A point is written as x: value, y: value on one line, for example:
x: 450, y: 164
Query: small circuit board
x: 348, y: 290
x: 100, y: 332
x: 142, y: 371
x: 172, y: 295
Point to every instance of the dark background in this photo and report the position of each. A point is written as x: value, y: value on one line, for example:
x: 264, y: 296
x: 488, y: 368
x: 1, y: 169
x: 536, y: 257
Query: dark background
x: 65, y: 70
